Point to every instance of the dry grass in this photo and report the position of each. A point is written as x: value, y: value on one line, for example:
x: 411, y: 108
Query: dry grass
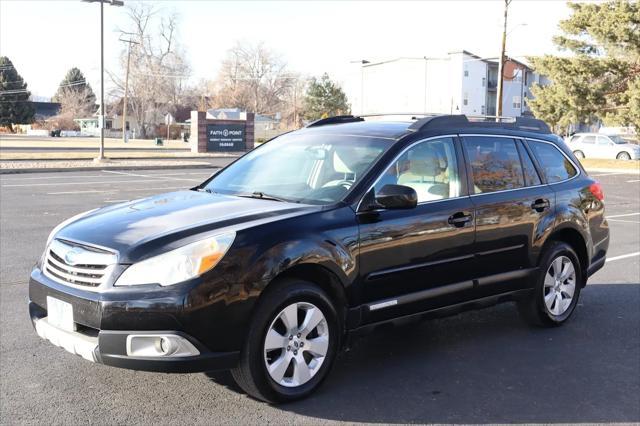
x: 622, y: 165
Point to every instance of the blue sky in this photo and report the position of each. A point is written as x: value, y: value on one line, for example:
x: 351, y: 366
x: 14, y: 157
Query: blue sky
x: 46, y: 38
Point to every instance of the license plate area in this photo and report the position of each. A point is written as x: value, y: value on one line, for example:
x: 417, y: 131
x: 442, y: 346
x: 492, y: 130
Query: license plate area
x: 60, y: 314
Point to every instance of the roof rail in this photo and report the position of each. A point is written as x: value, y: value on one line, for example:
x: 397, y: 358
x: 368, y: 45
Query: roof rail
x: 462, y: 121
x: 335, y: 120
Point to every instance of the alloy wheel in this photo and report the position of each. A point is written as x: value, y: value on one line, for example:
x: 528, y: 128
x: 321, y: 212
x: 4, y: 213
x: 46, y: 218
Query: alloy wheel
x: 296, y: 344
x: 559, y: 285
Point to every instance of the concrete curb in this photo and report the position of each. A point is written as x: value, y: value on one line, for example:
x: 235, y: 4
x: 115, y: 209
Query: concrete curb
x: 178, y: 158
x: 90, y: 169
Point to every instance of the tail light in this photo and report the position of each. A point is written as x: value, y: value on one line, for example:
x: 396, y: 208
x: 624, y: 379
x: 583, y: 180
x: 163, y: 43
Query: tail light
x: 596, y: 190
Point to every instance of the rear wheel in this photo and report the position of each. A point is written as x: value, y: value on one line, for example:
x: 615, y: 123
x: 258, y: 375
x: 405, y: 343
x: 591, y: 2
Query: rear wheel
x: 578, y: 154
x: 623, y: 156
x: 292, y: 342
x: 557, y: 288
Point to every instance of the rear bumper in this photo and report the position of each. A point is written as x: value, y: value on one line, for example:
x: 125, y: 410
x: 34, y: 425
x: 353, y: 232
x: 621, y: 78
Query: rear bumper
x: 596, y: 266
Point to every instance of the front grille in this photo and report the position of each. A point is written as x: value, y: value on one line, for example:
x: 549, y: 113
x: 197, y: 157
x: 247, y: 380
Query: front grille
x: 79, y: 265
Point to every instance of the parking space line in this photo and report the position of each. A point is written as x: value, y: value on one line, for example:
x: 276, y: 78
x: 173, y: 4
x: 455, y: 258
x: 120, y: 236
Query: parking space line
x: 622, y: 220
x: 22, y: 179
x: 623, y: 256
x: 78, y: 192
x: 623, y: 215
x: 633, y: 181
x: 151, y: 176
x: 164, y: 188
x: 77, y: 183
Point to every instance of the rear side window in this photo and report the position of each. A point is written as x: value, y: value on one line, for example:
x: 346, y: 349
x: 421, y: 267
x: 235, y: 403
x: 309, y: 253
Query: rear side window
x: 555, y: 166
x: 495, y: 163
x: 589, y: 139
x: 531, y: 177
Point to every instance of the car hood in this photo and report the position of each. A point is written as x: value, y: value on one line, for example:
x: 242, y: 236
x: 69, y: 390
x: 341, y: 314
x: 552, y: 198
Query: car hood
x: 140, y: 228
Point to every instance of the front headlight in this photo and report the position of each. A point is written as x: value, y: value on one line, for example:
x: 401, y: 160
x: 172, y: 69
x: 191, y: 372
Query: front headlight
x: 179, y: 265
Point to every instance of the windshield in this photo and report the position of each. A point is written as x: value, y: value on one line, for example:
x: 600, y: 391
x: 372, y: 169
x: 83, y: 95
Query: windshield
x: 617, y: 139
x: 299, y: 167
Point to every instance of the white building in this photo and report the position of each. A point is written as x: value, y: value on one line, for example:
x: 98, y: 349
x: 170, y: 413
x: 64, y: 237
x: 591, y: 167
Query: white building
x: 459, y: 83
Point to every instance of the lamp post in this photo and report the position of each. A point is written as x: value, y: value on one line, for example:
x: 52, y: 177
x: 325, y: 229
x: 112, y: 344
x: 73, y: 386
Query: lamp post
x: 101, y: 117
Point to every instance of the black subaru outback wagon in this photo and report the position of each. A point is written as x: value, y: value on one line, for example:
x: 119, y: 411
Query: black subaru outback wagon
x: 271, y: 264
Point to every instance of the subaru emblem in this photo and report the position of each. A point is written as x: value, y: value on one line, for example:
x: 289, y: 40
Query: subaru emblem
x: 71, y: 256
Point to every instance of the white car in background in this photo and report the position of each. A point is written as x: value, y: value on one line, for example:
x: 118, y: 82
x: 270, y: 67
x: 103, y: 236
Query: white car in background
x: 597, y: 145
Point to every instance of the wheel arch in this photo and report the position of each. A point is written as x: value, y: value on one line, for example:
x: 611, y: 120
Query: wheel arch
x: 323, y: 277
x: 575, y: 239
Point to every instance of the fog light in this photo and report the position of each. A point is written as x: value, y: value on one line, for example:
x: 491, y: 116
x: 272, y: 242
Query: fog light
x: 159, y: 345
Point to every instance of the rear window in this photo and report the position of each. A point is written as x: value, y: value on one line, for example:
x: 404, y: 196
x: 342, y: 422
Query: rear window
x: 555, y: 166
x: 495, y: 164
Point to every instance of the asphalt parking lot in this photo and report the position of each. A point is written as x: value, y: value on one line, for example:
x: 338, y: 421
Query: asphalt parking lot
x: 479, y: 367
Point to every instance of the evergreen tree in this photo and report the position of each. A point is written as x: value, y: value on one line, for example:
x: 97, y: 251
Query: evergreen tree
x: 601, y: 80
x: 15, y: 107
x: 75, y: 83
x: 324, y: 98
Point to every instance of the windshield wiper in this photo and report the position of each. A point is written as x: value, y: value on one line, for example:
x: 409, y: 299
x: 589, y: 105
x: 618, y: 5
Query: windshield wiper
x: 262, y: 196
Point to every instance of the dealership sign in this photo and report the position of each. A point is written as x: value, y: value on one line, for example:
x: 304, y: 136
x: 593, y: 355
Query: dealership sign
x: 225, y: 137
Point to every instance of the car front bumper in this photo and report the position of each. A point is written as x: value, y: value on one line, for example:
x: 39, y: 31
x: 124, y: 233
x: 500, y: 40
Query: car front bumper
x: 94, y: 342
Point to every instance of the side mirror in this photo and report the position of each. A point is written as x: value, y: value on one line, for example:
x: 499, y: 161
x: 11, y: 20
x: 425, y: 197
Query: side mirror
x: 395, y: 197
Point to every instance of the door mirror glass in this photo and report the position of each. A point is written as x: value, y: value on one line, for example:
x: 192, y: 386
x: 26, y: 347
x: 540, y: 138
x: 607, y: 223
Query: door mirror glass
x: 397, y: 197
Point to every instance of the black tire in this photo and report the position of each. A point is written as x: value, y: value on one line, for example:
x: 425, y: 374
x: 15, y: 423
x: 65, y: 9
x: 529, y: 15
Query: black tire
x: 534, y: 309
x: 579, y: 154
x: 623, y: 156
x: 251, y: 374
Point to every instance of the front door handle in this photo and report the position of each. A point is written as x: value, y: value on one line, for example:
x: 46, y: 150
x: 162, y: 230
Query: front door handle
x: 540, y: 205
x: 459, y: 219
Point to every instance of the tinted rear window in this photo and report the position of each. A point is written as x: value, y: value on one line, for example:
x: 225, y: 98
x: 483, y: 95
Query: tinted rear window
x: 495, y: 164
x: 555, y: 166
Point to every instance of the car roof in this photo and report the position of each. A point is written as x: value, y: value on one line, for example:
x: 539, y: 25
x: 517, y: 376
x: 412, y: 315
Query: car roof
x: 428, y: 126
x: 376, y: 129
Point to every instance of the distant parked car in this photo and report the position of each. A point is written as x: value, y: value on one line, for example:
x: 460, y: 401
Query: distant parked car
x: 596, y: 145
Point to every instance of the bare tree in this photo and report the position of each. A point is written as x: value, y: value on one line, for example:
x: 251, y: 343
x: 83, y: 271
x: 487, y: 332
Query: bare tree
x: 73, y: 104
x: 158, y: 66
x: 254, y: 78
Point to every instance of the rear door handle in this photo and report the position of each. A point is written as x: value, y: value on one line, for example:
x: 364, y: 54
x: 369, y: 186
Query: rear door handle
x: 540, y: 205
x: 459, y: 219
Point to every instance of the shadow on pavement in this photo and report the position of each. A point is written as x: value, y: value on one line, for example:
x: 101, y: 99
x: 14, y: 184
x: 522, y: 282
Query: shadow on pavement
x: 488, y: 366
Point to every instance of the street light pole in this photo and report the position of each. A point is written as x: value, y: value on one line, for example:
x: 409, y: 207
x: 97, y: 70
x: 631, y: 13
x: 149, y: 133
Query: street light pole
x: 101, y: 120
x: 501, y: 63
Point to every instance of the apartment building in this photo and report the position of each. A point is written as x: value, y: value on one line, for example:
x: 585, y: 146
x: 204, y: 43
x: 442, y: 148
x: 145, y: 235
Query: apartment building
x: 458, y: 83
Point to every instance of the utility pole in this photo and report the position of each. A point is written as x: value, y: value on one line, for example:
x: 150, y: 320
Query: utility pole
x: 501, y: 63
x: 126, y: 90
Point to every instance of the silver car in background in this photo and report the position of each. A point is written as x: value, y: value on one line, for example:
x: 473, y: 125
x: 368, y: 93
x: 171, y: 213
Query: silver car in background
x: 596, y: 145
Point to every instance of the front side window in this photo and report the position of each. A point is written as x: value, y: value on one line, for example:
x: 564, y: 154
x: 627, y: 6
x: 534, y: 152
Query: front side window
x: 602, y: 140
x: 429, y: 167
x: 617, y: 140
x: 555, y: 166
x: 495, y: 164
x: 299, y: 167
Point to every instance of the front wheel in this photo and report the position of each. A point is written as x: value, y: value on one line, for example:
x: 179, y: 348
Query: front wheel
x: 579, y: 154
x: 623, y: 156
x: 557, y: 287
x: 292, y: 343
